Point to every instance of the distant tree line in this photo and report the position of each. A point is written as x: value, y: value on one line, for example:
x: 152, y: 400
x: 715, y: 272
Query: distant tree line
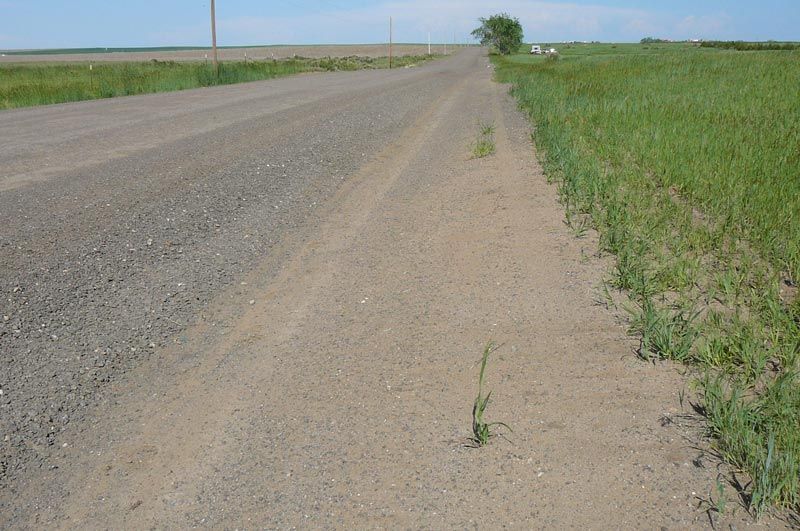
x: 749, y: 46
x: 654, y: 40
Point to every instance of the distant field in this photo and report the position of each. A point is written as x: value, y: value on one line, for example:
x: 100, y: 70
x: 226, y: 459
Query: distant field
x: 686, y: 161
x: 23, y: 85
x: 600, y: 49
x: 67, y: 51
x: 199, y: 54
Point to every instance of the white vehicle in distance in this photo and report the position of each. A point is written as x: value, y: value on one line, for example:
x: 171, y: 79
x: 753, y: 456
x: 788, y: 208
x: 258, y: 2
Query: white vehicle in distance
x: 551, y: 51
x: 536, y: 49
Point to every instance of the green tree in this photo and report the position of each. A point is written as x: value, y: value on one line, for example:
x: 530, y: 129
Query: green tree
x: 501, y: 31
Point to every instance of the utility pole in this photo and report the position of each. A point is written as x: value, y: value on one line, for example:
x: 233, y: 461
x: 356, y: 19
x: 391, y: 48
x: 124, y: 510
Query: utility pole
x: 390, y: 42
x: 429, y: 43
x: 214, y: 36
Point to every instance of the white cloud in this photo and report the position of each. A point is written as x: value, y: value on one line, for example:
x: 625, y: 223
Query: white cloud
x: 644, y: 26
x: 704, y: 26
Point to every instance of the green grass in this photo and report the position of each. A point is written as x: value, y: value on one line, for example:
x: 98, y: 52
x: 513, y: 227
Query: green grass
x: 596, y: 50
x: 23, y: 85
x: 484, y: 145
x: 743, y: 46
x: 482, y: 430
x: 686, y: 162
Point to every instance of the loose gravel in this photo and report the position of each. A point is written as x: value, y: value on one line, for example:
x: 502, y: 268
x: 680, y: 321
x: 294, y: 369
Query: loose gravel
x: 103, y: 265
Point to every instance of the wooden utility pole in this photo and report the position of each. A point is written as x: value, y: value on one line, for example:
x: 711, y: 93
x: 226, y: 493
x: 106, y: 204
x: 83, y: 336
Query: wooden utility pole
x: 214, y: 58
x: 390, y: 42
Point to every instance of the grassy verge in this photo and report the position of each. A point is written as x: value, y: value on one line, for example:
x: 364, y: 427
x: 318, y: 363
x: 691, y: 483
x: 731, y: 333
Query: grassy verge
x: 686, y: 162
x: 23, y: 85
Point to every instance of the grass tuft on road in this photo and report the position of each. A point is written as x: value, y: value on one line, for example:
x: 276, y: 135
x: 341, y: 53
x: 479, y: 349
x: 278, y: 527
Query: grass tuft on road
x: 25, y: 85
x: 484, y: 145
x: 482, y: 431
x: 686, y: 162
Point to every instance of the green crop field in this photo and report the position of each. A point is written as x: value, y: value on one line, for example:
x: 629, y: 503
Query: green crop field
x: 686, y: 160
x: 23, y: 85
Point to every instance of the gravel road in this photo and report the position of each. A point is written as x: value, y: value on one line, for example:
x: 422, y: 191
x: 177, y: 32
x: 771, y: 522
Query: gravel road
x: 262, y: 306
x: 119, y: 220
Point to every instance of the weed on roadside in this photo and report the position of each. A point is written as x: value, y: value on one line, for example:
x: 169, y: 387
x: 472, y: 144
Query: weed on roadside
x: 664, y: 333
x: 481, y: 430
x: 484, y: 146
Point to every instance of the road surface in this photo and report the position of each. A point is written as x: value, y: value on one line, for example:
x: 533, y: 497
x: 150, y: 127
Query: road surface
x: 263, y: 305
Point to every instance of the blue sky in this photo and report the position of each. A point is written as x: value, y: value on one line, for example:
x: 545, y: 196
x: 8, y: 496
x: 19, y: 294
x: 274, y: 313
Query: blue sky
x: 90, y: 23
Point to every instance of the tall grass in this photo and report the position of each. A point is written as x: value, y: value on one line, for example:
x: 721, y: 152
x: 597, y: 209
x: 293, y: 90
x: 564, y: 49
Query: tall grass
x: 23, y: 85
x: 751, y: 46
x: 686, y: 161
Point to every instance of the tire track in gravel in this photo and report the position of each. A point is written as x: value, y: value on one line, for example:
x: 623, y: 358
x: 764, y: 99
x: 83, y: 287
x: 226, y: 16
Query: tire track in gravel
x: 28, y: 157
x: 175, y: 440
x: 103, y: 264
